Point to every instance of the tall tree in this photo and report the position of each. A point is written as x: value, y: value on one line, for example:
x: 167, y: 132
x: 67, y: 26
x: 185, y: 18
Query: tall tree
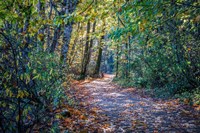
x: 85, y: 60
x: 100, y: 50
x: 68, y: 8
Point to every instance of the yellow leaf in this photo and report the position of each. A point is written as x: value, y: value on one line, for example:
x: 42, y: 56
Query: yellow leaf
x: 39, y: 62
x: 51, y: 71
x: 22, y: 94
x: 27, y: 78
x: 9, y: 92
x: 41, y: 37
x: 36, y: 76
x: 17, y: 118
x: 34, y: 71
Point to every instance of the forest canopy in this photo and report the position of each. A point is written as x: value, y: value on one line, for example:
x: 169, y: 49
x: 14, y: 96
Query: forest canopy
x: 152, y: 44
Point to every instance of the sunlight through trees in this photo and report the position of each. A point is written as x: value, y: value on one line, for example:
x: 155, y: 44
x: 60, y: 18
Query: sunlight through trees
x: 47, y: 44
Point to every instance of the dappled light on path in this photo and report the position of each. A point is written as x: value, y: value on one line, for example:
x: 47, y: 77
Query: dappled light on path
x: 110, y: 108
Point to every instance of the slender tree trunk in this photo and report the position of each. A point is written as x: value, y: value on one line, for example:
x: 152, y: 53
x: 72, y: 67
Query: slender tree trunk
x: 88, y: 56
x: 68, y: 8
x: 72, y: 50
x: 48, y: 27
x: 98, y: 63
x: 100, y: 50
x: 86, y: 52
x: 55, y: 39
x: 117, y: 62
x: 41, y: 11
x: 66, y: 40
x: 129, y: 54
x: 127, y: 71
x: 126, y: 52
x: 88, y: 47
x: 91, y: 41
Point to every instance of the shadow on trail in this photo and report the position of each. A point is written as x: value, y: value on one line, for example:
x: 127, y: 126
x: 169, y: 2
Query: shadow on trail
x: 125, y: 110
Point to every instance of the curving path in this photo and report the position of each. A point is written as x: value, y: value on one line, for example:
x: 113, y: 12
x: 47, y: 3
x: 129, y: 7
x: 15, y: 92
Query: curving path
x: 128, y: 110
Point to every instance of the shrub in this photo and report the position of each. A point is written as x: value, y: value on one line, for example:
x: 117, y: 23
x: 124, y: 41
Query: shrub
x: 31, y: 89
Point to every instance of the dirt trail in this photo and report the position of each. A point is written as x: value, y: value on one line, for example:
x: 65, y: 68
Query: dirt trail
x: 126, y: 110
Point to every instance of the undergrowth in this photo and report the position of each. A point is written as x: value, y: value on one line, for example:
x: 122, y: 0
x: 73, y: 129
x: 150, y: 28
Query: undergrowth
x: 191, y: 97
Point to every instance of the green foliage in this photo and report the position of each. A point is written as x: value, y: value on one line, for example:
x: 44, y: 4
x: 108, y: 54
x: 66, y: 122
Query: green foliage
x: 31, y: 76
x: 196, y: 98
x: 163, y: 44
x: 36, y: 92
x: 156, y: 46
x: 124, y: 82
x: 192, y: 98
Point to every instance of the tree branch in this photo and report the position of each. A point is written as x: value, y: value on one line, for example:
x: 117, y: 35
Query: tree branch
x: 86, y: 8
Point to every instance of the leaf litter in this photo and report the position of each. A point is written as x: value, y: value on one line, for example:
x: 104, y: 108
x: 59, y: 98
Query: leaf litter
x: 104, y: 107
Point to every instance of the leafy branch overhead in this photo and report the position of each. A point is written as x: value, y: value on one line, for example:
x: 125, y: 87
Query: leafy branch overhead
x: 47, y: 45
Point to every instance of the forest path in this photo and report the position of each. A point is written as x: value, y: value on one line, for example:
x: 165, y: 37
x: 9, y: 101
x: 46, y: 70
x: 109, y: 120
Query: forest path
x: 114, y: 109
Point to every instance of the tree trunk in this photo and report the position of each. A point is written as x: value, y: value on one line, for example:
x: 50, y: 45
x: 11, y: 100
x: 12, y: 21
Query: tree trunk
x: 55, y: 39
x: 126, y: 56
x: 66, y: 40
x: 68, y: 8
x: 98, y: 63
x: 117, y: 62
x: 86, y: 52
x: 72, y: 49
x: 48, y: 27
x: 129, y: 54
x: 91, y: 41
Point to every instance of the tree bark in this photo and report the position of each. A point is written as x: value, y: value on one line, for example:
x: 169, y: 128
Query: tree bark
x: 41, y: 12
x: 117, y: 62
x: 88, y: 49
x: 68, y: 8
x: 72, y: 49
x: 48, y: 27
x: 55, y: 39
x: 86, y: 52
x: 91, y: 41
x: 98, y: 63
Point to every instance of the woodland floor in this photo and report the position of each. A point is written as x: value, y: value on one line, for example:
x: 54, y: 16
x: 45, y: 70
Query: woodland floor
x: 106, y: 107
